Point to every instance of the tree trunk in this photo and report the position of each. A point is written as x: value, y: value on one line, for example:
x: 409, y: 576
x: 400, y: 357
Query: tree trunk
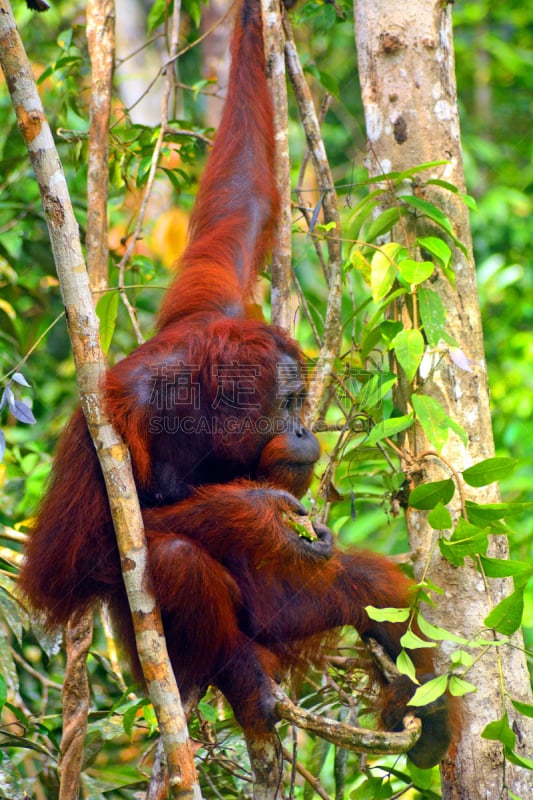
x: 406, y: 66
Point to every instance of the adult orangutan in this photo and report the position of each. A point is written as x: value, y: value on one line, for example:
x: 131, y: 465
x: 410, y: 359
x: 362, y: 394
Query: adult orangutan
x: 211, y: 410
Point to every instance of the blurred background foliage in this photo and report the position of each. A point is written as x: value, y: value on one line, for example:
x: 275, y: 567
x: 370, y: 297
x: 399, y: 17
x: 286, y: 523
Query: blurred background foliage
x: 494, y: 63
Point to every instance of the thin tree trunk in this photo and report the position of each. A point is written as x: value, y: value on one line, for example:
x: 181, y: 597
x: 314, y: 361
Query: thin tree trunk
x: 281, y: 269
x: 101, y: 42
x: 75, y: 699
x: 406, y: 66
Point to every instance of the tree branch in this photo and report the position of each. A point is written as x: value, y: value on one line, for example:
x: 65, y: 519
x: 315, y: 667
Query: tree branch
x: 332, y: 328
x: 101, y: 42
x: 348, y: 736
x: 79, y: 631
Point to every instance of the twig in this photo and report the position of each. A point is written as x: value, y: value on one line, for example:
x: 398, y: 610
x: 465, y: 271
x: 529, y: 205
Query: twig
x: 164, y: 68
x: 184, y: 132
x: 306, y: 775
x: 383, y: 661
x: 433, y: 454
x: 332, y: 329
x: 33, y: 672
x: 158, y: 785
x: 34, y: 347
x: 306, y: 211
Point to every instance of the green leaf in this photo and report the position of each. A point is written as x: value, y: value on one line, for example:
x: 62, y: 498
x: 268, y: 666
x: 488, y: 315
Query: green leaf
x: 506, y: 568
x: 429, y: 692
x: 500, y: 731
x: 405, y: 665
x: 415, y: 272
x: 523, y: 708
x: 383, y: 270
x: 370, y: 339
x: 439, y: 634
x: 10, y: 612
x: 325, y: 227
x: 359, y: 262
x: 469, y: 201
x: 174, y: 178
x: 45, y: 74
x: 150, y: 718
x: 389, y: 330
x: 427, y: 495
x: 195, y: 11
x: 128, y: 720
x: 429, y: 210
x: 490, y: 512
x: 106, y: 310
x: 506, y: 618
x: 432, y: 314
x: 158, y: 13
x: 410, y: 641
x: 450, y: 274
x: 26, y: 744
x: 207, y: 711
x: 466, y: 540
x: 8, y: 309
x: 400, y: 177
x: 3, y: 691
x: 382, y: 224
x: 409, y: 349
x: 440, y: 518
x: 436, y: 215
x: 432, y: 587
x: 389, y: 427
x: 450, y: 187
x: 460, y: 658
x: 361, y: 212
x: 441, y: 253
x: 489, y: 470
x: 435, y: 421
x: 422, y: 780
x: 388, y: 614
x: 520, y: 761
x: 65, y: 61
x: 374, y: 789
x: 458, y: 686
x: 115, y: 173
x: 438, y: 248
x: 375, y: 390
